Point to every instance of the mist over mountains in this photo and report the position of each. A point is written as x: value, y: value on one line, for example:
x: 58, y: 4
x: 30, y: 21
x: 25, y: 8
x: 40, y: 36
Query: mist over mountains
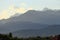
x: 32, y: 19
x: 47, y: 31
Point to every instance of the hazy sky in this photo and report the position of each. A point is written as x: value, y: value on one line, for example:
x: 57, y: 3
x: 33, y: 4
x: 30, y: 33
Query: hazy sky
x: 10, y: 7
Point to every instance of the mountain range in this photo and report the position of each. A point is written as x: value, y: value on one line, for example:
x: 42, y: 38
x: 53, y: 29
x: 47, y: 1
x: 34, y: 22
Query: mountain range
x: 38, y: 22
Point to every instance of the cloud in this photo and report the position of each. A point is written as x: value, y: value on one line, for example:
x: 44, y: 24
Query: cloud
x: 20, y: 10
x: 7, y: 13
x: 4, y: 14
x: 17, y: 9
x: 12, y: 10
x: 30, y: 8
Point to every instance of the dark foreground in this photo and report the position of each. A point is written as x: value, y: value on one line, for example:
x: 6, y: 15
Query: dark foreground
x: 10, y: 37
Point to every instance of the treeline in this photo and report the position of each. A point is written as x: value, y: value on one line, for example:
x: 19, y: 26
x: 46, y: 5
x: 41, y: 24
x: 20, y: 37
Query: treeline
x: 10, y: 37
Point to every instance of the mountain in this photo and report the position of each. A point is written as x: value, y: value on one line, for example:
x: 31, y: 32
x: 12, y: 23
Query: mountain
x: 32, y: 19
x: 48, y: 31
x: 13, y: 26
x: 44, y: 17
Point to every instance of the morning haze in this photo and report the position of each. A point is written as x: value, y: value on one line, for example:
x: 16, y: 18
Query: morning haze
x: 30, y: 19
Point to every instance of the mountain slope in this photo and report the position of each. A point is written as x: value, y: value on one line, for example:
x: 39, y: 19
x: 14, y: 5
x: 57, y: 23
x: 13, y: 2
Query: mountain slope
x: 44, y: 17
x: 48, y: 31
x: 13, y: 26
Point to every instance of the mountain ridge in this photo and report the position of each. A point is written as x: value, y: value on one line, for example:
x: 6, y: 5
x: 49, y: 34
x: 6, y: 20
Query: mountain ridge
x: 31, y: 18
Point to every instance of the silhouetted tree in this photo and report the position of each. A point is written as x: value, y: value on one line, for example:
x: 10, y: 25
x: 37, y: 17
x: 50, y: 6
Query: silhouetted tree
x: 58, y: 37
x: 10, y: 34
